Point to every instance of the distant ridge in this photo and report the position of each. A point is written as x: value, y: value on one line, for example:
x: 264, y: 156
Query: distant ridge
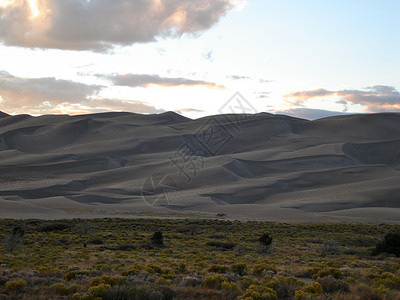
x: 3, y: 115
x: 264, y: 166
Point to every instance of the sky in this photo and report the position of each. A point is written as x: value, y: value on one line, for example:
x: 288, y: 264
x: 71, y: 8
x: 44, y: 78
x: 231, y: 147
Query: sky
x: 304, y: 58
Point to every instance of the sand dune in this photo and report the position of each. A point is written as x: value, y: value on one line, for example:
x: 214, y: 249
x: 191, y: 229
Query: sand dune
x: 260, y: 166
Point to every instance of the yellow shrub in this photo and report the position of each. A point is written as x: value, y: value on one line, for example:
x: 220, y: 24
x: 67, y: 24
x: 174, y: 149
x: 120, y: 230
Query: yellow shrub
x: 98, y: 291
x: 15, y: 286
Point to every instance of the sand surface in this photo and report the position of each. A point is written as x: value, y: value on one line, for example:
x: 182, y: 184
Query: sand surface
x: 263, y: 166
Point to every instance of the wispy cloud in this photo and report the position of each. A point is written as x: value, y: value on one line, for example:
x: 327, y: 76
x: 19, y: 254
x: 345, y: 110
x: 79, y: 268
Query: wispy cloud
x: 100, y: 25
x: 145, y: 80
x: 377, y: 98
x: 238, y: 77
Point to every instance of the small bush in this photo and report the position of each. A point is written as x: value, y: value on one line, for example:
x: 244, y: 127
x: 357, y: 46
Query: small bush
x: 328, y: 271
x: 157, y: 239
x: 15, y: 286
x: 229, y: 286
x: 258, y: 269
x: 314, y: 289
x: 99, y: 290
x: 154, y: 269
x: 222, y: 245
x: 213, y: 281
x: 126, y: 247
x: 285, y: 287
x: 259, y: 292
x: 239, y: 268
x: 390, y: 244
x: 112, y: 281
x: 163, y: 281
x: 96, y: 242
x: 265, y: 239
x: 54, y: 227
x: 63, y: 290
x: 218, y: 269
x: 14, y: 240
x: 246, y: 282
x: 332, y: 285
x: 330, y: 247
x: 387, y: 280
x: 73, y: 274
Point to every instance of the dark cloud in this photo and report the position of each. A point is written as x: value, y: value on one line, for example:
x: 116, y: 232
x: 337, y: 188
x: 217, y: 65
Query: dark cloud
x: 100, y: 25
x: 377, y: 98
x: 309, y: 113
x: 145, y: 80
x: 50, y: 95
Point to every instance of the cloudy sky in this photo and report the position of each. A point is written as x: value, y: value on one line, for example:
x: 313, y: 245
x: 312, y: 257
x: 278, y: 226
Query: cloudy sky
x: 307, y: 58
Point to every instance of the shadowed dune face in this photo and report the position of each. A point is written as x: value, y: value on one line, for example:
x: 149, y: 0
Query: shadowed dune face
x: 255, y: 166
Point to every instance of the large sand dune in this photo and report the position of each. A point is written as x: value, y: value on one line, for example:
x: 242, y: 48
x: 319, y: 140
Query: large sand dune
x: 259, y: 166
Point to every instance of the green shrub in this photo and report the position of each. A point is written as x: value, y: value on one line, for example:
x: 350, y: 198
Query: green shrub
x: 54, y: 227
x: 390, y: 244
x: 157, y: 239
x: 112, y: 281
x: 73, y: 274
x: 15, y: 240
x: 259, y: 292
x: 387, y: 280
x: 239, y: 268
x: 313, y: 289
x: 15, y: 286
x: 213, y: 281
x: 163, y: 281
x: 99, y: 290
x: 332, y: 285
x: 222, y: 245
x: 62, y: 289
x: 154, y: 269
x: 229, y: 286
x: 285, y: 287
x: 259, y: 268
x: 328, y: 271
x: 247, y: 281
x: 218, y: 269
x: 265, y: 239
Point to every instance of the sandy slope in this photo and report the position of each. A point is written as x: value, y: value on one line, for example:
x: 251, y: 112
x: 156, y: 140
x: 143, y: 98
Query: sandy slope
x: 259, y: 166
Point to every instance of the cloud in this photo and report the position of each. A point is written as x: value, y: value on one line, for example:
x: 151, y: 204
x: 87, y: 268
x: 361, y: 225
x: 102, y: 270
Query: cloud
x: 264, y: 80
x: 145, y: 80
x: 238, y: 77
x: 208, y: 55
x: 101, y: 25
x: 50, y: 95
x: 190, y: 110
x: 309, y: 113
x: 377, y: 98
x: 19, y: 92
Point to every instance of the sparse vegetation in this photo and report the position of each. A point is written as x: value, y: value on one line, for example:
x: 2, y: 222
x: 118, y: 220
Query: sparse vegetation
x: 130, y: 259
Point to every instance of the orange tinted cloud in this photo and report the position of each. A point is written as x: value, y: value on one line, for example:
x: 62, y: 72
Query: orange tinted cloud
x: 100, y: 25
x: 377, y: 98
x: 145, y: 80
